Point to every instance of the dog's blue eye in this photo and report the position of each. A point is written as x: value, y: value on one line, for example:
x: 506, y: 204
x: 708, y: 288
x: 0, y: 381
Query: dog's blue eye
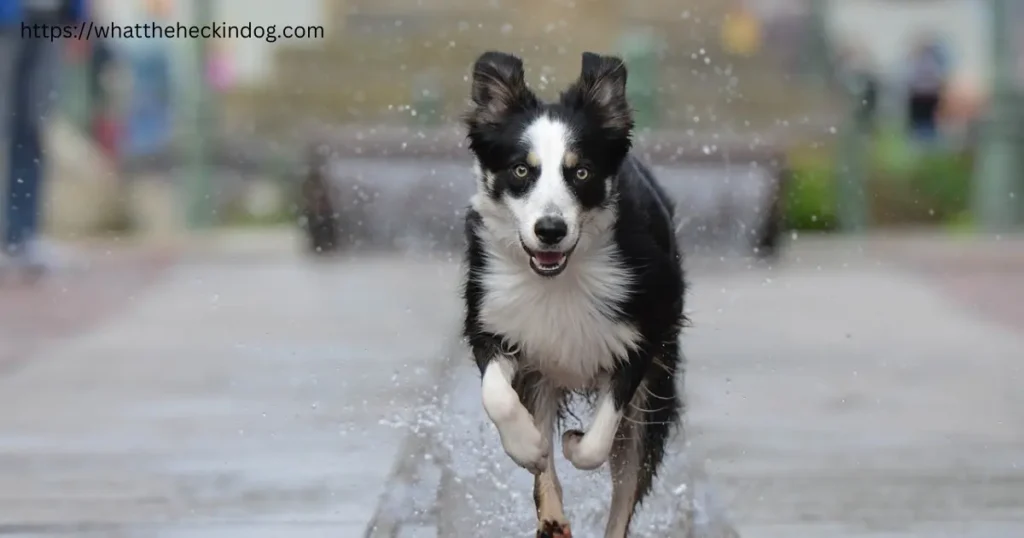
x: 582, y: 174
x: 520, y: 171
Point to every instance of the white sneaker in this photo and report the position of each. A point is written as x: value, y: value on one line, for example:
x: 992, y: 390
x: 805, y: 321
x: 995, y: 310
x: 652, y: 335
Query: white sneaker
x: 30, y: 258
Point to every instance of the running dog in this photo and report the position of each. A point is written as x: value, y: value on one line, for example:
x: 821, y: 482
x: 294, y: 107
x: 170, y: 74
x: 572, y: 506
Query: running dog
x: 574, y: 282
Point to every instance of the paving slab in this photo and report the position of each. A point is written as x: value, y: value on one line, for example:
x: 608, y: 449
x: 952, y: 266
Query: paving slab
x: 849, y: 396
x: 85, y: 288
x: 456, y: 477
x: 837, y: 393
x: 226, y: 400
x: 840, y: 392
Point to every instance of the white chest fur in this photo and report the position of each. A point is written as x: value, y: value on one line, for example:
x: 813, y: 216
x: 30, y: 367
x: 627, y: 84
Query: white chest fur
x: 564, y: 324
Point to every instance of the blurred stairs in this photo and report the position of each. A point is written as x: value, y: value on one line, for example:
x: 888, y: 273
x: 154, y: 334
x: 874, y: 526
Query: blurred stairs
x: 384, y: 54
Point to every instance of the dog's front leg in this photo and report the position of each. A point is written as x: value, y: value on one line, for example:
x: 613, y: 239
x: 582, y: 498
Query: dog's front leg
x: 520, y: 437
x: 588, y: 451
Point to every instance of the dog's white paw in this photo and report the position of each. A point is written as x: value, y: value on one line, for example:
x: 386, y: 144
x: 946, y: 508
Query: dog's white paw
x: 582, y: 452
x: 523, y: 443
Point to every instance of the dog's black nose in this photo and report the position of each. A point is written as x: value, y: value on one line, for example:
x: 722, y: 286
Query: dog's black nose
x: 550, y: 230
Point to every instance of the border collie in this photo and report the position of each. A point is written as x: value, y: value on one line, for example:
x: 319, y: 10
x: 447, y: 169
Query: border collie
x: 574, y: 282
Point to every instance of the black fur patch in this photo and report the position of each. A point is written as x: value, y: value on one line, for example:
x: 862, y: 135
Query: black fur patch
x: 594, y: 108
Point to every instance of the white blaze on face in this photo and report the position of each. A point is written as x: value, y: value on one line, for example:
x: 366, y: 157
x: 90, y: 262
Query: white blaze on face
x: 549, y: 142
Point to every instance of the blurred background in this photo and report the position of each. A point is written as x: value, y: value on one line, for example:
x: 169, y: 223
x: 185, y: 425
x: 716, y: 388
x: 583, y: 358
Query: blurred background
x: 238, y: 315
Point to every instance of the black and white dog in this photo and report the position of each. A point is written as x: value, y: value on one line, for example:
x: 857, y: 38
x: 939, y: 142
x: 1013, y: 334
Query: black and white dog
x: 574, y: 281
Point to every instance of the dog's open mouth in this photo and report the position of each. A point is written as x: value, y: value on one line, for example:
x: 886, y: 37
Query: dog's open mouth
x: 547, y: 263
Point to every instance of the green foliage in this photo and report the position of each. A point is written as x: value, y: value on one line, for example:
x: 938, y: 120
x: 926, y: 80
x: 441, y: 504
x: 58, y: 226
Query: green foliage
x: 891, y: 150
x: 962, y: 224
x: 934, y: 188
x: 905, y: 185
x: 943, y: 180
x: 809, y: 199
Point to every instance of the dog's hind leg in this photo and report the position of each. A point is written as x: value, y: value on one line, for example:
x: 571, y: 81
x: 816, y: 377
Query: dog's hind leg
x: 626, y: 471
x: 544, y: 402
x: 639, y: 449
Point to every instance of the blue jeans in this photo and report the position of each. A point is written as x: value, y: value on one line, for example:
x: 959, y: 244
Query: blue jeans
x: 28, y: 77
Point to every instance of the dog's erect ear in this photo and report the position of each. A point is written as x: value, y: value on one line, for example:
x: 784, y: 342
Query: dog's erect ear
x: 606, y: 77
x: 602, y: 89
x: 499, y: 87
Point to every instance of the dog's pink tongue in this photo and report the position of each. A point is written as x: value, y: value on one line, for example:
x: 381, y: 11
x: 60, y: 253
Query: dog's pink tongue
x: 548, y: 258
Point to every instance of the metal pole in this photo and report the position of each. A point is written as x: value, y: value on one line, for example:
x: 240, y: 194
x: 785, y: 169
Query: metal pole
x: 997, y: 167
x: 851, y: 175
x: 818, y: 52
x: 199, y: 203
x: 78, y: 99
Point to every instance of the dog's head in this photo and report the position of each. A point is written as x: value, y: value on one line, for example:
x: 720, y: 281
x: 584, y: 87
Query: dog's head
x: 550, y: 167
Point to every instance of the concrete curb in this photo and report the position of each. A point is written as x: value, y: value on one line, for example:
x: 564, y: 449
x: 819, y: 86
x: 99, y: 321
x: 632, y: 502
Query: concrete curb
x: 399, y: 508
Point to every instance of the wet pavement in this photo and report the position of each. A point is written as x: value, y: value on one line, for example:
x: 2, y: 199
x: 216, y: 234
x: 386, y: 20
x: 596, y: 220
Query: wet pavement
x: 230, y: 399
x: 865, y: 397
x: 455, y: 480
x: 844, y: 393
x: 87, y: 285
x: 836, y: 394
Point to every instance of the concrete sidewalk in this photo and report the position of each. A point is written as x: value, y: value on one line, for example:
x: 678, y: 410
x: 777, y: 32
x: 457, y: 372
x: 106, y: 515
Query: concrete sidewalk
x: 846, y: 392
x: 75, y: 298
x: 852, y: 395
x: 240, y: 399
x: 455, y: 480
x: 843, y: 393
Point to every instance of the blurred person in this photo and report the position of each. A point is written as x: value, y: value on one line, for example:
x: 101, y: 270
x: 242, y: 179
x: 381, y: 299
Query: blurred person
x: 104, y: 96
x: 962, y: 109
x: 220, y: 66
x: 145, y: 90
x: 29, y: 69
x: 928, y: 77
